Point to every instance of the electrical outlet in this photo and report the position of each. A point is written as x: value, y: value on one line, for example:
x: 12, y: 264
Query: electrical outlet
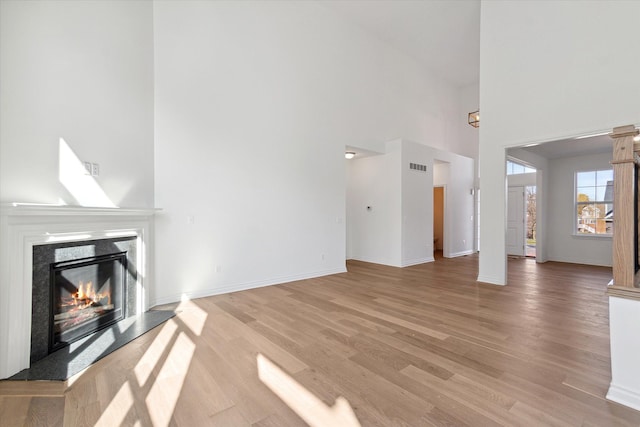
x: 87, y: 168
x: 95, y: 169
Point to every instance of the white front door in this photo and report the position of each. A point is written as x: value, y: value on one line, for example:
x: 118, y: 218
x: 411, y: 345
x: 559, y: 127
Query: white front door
x: 515, y: 221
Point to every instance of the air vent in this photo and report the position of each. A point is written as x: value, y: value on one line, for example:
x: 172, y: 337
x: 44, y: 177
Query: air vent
x: 418, y: 167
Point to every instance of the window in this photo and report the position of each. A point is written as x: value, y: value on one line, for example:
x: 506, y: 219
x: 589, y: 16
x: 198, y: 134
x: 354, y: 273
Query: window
x: 594, y: 202
x: 514, y: 168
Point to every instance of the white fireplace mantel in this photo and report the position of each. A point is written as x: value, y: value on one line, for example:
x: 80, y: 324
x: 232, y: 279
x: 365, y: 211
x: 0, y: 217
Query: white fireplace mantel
x: 23, y: 226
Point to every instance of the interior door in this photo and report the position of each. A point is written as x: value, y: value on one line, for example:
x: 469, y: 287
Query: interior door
x: 515, y: 221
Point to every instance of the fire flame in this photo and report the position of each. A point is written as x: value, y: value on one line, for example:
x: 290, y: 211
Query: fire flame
x: 86, y: 295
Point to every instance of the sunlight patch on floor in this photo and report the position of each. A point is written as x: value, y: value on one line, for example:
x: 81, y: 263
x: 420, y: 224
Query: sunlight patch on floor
x: 192, y: 316
x: 308, y: 407
x: 163, y: 396
x: 118, y: 407
x: 150, y: 359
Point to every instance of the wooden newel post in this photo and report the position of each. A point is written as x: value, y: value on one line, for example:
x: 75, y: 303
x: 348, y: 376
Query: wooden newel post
x: 624, y: 202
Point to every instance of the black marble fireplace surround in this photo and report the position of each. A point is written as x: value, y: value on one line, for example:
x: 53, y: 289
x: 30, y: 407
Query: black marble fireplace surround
x: 46, y: 255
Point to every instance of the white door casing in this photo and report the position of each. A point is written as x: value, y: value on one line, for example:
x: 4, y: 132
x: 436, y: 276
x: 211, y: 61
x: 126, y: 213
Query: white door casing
x: 515, y: 221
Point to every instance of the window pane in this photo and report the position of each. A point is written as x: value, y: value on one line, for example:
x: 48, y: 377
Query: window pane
x: 585, y: 179
x: 586, y: 194
x: 600, y: 193
x: 604, y: 177
x: 518, y: 169
x: 514, y: 168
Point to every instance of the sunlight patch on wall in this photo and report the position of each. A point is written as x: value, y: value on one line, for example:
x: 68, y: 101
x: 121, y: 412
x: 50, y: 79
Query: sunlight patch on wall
x: 74, y: 177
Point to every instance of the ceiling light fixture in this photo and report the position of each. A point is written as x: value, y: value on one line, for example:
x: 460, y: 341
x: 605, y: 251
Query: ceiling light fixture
x: 474, y: 119
x: 349, y: 155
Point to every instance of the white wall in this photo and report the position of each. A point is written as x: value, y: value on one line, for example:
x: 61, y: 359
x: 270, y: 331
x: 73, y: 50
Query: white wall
x: 398, y: 230
x: 375, y: 183
x: 457, y: 174
x: 563, y: 244
x: 624, y: 324
x: 575, y: 76
x: 417, y: 204
x: 82, y: 71
x: 254, y: 104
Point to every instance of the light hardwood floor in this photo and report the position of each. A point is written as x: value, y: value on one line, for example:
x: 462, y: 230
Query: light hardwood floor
x: 423, y: 345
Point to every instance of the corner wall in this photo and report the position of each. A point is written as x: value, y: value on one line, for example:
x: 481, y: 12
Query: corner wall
x: 374, y: 207
x: 83, y: 72
x: 255, y: 102
x: 591, y: 86
x: 398, y: 230
x: 563, y: 243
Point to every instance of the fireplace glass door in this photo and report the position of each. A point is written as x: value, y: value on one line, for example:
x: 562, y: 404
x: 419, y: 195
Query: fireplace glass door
x: 87, y: 295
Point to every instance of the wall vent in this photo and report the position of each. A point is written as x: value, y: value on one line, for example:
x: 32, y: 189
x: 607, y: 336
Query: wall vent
x: 418, y: 167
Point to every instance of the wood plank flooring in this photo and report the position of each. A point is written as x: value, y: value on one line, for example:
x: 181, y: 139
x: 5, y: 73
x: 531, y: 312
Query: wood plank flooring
x: 424, y: 345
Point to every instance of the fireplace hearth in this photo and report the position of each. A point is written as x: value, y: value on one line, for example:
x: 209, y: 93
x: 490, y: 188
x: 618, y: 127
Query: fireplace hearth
x: 87, y: 295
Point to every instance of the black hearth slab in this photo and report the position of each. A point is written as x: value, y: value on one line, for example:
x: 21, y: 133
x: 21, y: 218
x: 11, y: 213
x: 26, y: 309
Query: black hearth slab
x: 68, y: 361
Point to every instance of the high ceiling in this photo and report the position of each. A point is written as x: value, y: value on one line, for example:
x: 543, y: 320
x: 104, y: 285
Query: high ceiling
x: 443, y: 35
x: 573, y: 147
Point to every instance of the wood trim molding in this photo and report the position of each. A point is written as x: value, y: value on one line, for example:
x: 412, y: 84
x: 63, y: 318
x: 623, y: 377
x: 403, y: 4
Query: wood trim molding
x: 622, y: 131
x: 624, y: 292
x: 624, y: 184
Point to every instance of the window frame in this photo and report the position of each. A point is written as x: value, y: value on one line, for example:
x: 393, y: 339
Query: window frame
x: 576, y: 204
x: 526, y: 169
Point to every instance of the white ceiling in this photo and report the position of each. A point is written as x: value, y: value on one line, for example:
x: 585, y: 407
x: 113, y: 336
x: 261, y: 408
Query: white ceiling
x: 443, y: 35
x: 573, y: 147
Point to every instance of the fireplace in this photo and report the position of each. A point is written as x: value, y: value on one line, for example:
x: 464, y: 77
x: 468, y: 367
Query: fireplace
x: 35, y: 236
x: 79, y: 288
x: 87, y: 294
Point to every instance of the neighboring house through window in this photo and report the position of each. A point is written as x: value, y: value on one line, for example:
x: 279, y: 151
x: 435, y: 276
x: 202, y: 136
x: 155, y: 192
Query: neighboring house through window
x: 594, y: 202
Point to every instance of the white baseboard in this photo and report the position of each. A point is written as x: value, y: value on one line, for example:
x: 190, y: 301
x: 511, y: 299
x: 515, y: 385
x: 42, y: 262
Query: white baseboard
x: 241, y: 287
x: 417, y: 261
x: 491, y: 280
x: 461, y: 253
x: 623, y: 396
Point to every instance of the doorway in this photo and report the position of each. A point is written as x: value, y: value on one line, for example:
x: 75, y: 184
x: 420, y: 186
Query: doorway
x: 438, y: 221
x: 531, y: 229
